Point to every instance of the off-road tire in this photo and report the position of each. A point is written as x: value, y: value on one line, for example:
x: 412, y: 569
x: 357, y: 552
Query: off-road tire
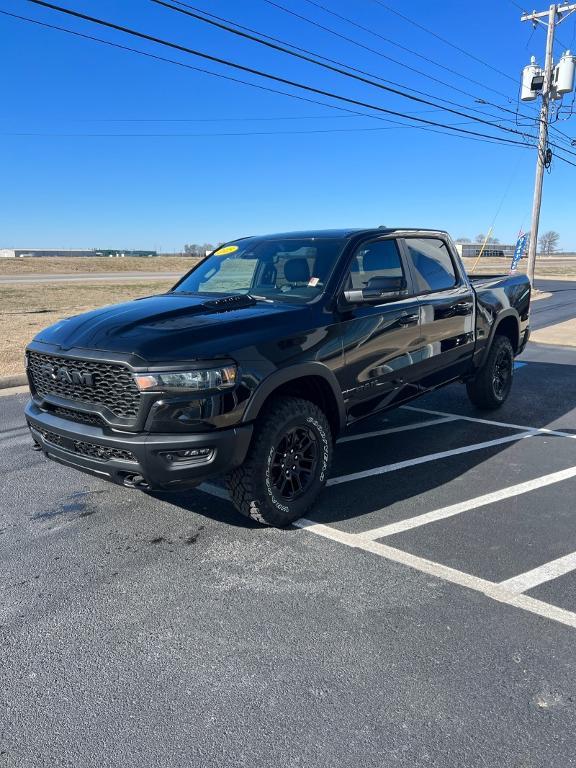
x: 251, y: 485
x: 487, y: 390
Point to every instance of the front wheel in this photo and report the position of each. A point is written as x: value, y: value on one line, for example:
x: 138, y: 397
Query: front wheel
x: 491, y: 385
x: 287, y: 464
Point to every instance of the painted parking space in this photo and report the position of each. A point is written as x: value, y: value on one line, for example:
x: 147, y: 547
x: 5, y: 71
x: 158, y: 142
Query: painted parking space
x: 401, y: 495
x: 403, y: 489
x: 497, y: 541
x: 560, y: 591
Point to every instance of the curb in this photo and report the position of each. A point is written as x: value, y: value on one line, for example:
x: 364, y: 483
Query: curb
x: 6, y: 382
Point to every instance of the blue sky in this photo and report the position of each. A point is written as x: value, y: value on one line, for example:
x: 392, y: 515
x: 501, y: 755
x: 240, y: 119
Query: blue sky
x: 76, y: 189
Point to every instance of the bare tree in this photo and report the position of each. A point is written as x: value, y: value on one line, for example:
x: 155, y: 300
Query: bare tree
x: 463, y: 240
x: 489, y: 241
x: 197, y: 250
x: 548, y: 242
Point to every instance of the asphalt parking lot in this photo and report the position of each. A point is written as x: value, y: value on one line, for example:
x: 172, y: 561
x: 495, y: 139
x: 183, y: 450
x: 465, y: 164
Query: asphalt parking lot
x: 425, y: 614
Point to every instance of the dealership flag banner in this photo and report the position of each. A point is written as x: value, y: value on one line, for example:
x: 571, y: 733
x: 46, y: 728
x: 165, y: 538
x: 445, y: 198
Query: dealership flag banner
x: 519, y: 251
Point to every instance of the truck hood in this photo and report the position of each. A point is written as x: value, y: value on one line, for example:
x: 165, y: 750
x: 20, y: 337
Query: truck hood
x: 175, y: 327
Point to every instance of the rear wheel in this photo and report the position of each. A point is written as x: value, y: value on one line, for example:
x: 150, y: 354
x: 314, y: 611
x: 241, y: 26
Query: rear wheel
x: 287, y: 463
x: 491, y: 385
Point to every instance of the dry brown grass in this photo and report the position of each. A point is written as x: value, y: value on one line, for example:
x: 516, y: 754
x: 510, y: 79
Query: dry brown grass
x: 25, y: 310
x: 64, y: 265
x: 555, y: 267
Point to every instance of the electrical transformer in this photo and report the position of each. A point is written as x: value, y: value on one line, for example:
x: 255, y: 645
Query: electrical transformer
x: 564, y: 73
x: 531, y: 71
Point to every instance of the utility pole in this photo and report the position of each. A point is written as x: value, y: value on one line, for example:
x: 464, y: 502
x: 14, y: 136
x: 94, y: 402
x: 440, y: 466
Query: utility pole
x: 554, y: 14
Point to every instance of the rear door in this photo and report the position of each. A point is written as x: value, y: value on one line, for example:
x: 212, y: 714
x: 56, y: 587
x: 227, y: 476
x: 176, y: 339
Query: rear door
x: 379, y: 339
x: 447, y: 308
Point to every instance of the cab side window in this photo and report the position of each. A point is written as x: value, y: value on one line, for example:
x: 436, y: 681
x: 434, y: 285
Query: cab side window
x: 433, y: 266
x: 375, y: 260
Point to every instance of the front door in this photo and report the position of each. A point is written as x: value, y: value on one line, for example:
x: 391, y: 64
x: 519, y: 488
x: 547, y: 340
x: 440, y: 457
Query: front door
x: 379, y: 340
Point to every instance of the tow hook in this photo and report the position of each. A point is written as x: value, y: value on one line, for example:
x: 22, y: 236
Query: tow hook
x: 135, y: 481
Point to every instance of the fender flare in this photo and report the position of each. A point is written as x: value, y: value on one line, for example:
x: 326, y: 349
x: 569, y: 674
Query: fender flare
x: 283, y: 376
x: 510, y: 312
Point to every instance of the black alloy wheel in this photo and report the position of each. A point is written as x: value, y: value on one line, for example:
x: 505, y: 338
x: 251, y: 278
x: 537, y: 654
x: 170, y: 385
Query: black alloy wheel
x: 293, y: 466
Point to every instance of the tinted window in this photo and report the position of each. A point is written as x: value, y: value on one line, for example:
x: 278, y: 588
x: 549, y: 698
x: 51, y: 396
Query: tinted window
x: 373, y: 260
x: 433, y: 266
x: 289, y: 269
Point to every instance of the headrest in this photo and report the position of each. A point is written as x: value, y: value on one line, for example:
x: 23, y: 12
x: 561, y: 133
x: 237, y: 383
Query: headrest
x: 297, y: 271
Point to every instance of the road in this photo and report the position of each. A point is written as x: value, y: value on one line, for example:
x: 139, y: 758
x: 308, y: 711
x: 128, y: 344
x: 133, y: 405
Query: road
x: 165, y: 630
x: 559, y: 307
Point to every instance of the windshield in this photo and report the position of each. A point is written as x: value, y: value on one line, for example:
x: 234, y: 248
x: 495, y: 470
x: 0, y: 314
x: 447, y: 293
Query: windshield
x: 289, y: 269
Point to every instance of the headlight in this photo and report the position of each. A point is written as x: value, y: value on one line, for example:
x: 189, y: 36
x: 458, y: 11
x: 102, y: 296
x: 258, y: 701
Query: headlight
x: 211, y: 378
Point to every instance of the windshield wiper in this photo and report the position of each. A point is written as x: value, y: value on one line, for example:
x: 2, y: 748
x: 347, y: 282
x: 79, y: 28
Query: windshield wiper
x: 260, y: 298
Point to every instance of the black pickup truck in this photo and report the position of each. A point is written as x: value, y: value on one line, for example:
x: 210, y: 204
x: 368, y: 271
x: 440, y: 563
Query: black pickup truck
x: 259, y: 356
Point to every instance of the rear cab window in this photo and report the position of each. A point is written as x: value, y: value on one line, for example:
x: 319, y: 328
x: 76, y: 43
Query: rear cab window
x: 432, y: 264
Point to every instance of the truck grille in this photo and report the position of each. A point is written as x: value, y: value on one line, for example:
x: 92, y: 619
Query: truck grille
x: 84, y: 448
x: 87, y: 381
x: 102, y: 452
x: 79, y: 416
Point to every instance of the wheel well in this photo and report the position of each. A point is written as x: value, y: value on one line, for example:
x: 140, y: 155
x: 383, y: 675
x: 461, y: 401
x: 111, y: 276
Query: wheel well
x: 509, y: 327
x: 317, y: 390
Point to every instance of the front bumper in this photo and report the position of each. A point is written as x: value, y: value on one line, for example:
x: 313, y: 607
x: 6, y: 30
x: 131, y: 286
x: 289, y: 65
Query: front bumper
x: 121, y: 456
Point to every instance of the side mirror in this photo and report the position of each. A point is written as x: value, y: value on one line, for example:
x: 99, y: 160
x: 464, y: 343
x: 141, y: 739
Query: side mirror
x: 377, y: 291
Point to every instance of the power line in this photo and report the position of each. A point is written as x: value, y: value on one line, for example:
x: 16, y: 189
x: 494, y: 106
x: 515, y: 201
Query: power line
x: 215, y: 135
x: 333, y: 61
x: 372, y: 50
x: 356, y: 69
x: 202, y: 70
x: 276, y: 78
x: 330, y: 67
x: 216, y: 119
x: 403, y: 47
x: 443, y: 39
x: 352, y: 113
x: 405, y: 66
x: 199, y: 15
x: 459, y: 133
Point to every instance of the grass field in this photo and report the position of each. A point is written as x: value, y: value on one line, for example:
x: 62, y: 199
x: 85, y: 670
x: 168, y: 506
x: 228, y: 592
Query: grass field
x: 64, y: 265
x: 553, y: 267
x: 26, y: 309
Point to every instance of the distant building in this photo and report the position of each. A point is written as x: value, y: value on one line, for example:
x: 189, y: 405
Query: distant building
x: 15, y: 253
x: 472, y: 250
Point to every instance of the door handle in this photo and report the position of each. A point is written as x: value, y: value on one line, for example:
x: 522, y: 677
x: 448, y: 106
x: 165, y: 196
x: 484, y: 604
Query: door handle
x: 464, y: 307
x: 408, y: 319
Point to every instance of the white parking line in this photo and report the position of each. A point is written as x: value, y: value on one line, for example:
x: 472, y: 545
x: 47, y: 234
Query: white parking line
x: 465, y: 506
x: 429, y: 457
x: 543, y: 430
x: 552, y: 570
x: 392, y: 430
x: 488, y: 588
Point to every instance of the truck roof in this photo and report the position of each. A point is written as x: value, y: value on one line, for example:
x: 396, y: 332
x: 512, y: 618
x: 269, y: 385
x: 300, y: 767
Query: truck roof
x: 344, y: 233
